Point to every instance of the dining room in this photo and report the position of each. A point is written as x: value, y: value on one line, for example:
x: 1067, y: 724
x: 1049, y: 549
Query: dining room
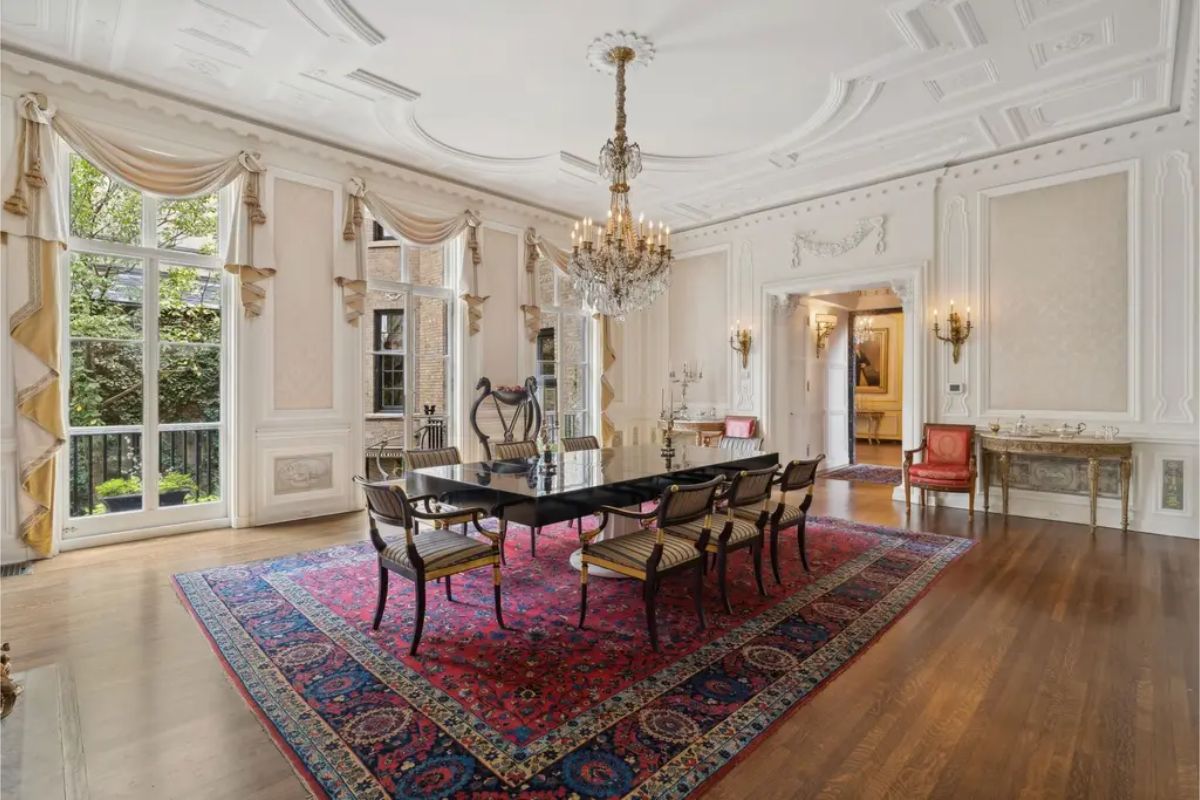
x: 478, y: 400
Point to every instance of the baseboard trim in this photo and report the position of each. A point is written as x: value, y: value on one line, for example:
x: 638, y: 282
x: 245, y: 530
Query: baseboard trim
x: 137, y: 534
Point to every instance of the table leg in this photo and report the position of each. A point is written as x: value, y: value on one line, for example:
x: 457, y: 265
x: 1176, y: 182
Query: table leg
x: 987, y: 479
x: 1004, y: 460
x: 1126, y: 480
x: 1093, y: 469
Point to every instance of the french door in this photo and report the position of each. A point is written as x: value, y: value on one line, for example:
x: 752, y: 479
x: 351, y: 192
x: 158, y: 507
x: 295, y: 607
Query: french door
x: 146, y: 323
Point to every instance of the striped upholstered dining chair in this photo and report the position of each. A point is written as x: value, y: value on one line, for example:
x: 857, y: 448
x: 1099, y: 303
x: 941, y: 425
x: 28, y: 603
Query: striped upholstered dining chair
x: 749, y: 491
x: 649, y: 555
x: 575, y: 444
x: 504, y: 451
x: 432, y: 555
x: 796, y: 475
x: 439, y: 457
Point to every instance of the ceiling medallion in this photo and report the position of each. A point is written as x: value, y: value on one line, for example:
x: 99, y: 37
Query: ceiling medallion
x: 620, y: 267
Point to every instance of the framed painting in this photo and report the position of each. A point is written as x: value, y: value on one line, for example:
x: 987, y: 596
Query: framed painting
x: 871, y: 357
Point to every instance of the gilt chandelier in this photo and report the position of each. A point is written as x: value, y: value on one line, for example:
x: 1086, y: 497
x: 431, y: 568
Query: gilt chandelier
x: 621, y: 266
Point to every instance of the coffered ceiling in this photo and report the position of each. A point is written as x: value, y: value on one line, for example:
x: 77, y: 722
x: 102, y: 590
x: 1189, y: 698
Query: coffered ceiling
x: 744, y: 105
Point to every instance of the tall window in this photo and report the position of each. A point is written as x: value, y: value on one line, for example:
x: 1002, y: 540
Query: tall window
x: 410, y: 296
x: 389, y: 360
x: 145, y: 321
x: 563, y: 354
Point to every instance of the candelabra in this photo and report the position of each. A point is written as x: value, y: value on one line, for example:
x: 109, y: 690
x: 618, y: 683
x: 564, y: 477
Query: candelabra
x: 958, y: 332
x: 692, y: 373
x: 739, y: 340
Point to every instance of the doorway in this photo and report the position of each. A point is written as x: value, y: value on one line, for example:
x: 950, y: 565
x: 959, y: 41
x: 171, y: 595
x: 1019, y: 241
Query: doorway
x: 876, y: 386
x: 815, y: 367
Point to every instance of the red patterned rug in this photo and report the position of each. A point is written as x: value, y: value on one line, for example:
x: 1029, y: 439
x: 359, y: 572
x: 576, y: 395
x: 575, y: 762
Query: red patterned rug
x: 867, y: 473
x: 545, y: 710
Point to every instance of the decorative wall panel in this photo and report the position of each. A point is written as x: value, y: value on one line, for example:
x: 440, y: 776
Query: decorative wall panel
x: 301, y: 297
x: 697, y: 306
x: 304, y: 473
x: 1058, y: 298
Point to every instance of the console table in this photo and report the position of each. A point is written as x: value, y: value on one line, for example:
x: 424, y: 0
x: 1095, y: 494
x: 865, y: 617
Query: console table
x: 1091, y: 450
x: 706, y: 431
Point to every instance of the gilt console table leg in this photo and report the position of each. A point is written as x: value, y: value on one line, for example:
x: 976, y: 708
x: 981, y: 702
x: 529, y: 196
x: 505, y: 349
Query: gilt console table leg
x: 1093, y: 488
x: 1004, y: 459
x: 1126, y: 476
x: 987, y: 479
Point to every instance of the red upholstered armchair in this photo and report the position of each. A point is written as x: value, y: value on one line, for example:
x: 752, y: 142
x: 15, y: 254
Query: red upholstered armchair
x: 947, y: 463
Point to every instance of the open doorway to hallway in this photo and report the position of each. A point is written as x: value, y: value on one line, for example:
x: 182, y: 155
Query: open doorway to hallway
x: 838, y: 380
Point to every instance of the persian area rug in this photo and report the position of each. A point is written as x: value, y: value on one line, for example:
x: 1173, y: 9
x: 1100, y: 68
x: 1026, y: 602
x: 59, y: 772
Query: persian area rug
x: 546, y: 710
x: 867, y: 473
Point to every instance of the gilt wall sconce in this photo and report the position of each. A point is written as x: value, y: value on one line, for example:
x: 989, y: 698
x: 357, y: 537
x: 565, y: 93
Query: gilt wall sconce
x: 824, y: 323
x: 957, y: 330
x: 739, y: 340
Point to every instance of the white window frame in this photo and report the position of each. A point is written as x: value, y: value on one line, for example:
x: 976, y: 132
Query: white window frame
x: 591, y: 409
x: 448, y: 293
x: 181, y: 518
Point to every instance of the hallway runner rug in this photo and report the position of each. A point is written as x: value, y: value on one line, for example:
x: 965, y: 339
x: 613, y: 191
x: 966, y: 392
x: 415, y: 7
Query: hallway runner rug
x: 545, y: 710
x: 867, y: 473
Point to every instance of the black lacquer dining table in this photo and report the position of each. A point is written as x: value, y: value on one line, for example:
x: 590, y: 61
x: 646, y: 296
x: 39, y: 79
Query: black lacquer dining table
x: 537, y: 492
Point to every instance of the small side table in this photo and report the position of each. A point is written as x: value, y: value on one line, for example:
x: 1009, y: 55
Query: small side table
x: 706, y: 431
x: 874, y: 420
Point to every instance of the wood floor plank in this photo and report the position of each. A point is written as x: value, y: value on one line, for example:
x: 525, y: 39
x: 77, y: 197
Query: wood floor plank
x: 1045, y: 663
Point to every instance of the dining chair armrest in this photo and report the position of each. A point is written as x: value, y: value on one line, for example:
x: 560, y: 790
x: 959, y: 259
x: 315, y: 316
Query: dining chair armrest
x: 455, y: 514
x: 908, y: 454
x: 624, y: 512
x: 422, y: 498
x: 492, y: 536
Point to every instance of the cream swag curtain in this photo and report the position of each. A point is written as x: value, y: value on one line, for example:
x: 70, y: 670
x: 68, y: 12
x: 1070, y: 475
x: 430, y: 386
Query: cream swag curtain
x: 35, y: 229
x: 421, y: 230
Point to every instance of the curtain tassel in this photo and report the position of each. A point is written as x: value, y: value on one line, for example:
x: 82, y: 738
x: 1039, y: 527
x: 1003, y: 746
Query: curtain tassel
x: 16, y: 204
x: 34, y: 176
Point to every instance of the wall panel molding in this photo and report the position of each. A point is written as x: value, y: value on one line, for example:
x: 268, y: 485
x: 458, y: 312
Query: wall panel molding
x: 1173, y: 231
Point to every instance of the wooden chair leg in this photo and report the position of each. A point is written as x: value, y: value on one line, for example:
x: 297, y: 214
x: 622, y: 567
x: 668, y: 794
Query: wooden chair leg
x: 756, y: 552
x: 583, y: 576
x: 651, y: 593
x: 412, y: 651
x: 533, y: 534
x: 448, y: 595
x: 800, y: 526
x: 907, y: 494
x: 382, y: 601
x: 775, y: 553
x: 698, y: 592
x: 722, y: 564
x: 971, y: 501
x: 922, y: 498
x: 496, y: 594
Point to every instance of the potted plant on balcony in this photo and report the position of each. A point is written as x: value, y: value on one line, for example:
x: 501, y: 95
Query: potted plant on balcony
x: 125, y: 494
x: 174, y: 487
x: 121, y: 494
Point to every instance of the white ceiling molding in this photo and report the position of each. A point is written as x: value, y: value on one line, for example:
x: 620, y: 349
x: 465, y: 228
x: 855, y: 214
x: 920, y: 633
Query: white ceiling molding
x: 746, y: 104
x: 43, y: 75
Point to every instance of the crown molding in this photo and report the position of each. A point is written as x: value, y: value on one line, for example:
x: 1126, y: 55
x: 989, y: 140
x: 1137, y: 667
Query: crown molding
x: 147, y: 98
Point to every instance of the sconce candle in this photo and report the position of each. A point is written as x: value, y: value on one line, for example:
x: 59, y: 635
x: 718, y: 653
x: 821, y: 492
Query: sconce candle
x: 739, y: 341
x: 957, y: 331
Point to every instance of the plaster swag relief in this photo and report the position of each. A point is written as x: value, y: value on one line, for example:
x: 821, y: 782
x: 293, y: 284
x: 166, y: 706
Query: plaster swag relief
x: 806, y: 241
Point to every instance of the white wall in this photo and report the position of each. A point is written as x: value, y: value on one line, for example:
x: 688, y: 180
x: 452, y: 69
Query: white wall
x: 297, y: 368
x: 936, y: 248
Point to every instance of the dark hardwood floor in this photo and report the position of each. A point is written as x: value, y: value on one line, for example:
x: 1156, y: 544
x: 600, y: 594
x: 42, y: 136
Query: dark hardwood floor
x: 1045, y: 663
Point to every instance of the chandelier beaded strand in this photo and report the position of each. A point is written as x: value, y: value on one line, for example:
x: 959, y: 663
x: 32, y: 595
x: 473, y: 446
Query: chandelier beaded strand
x: 620, y: 267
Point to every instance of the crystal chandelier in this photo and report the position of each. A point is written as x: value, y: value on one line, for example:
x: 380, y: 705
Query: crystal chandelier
x: 862, y: 329
x: 622, y: 266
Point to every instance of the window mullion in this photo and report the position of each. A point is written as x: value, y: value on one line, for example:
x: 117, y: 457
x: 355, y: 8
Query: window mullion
x: 150, y: 386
